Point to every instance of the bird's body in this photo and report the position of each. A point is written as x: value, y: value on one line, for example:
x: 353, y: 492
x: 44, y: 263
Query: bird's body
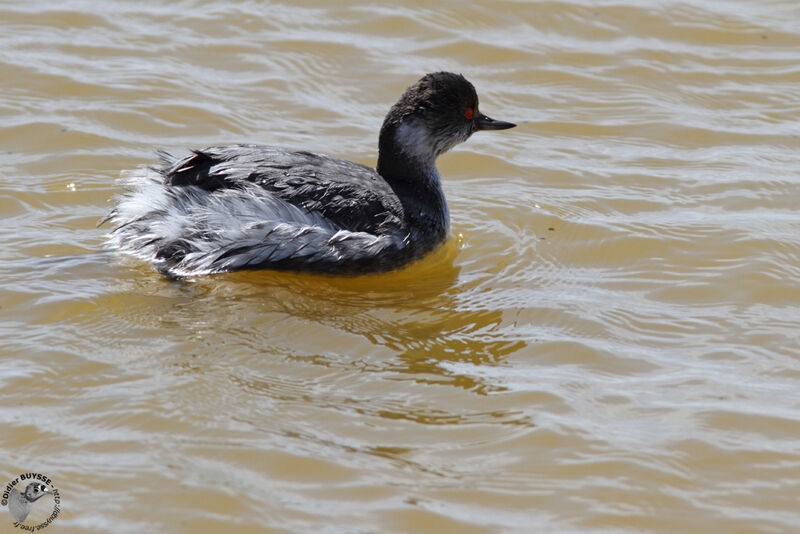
x: 20, y: 503
x: 249, y: 206
x: 232, y: 207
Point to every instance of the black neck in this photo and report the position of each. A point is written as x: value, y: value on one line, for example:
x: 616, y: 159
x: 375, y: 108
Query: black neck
x: 419, y: 189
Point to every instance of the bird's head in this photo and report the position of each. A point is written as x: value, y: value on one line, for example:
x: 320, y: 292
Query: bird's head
x: 36, y: 490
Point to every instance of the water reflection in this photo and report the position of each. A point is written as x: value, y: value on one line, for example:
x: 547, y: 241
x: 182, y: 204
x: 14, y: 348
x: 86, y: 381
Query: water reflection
x: 418, y: 313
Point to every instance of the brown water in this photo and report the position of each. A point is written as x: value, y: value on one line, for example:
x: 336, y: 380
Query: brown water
x: 608, y: 342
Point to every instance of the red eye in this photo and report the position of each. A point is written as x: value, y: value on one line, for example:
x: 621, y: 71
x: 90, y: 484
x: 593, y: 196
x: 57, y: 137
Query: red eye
x: 468, y: 114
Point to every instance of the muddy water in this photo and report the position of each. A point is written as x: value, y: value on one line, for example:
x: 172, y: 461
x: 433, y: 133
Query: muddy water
x: 607, y: 343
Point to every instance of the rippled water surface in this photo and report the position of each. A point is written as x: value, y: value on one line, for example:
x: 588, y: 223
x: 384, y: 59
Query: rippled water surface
x: 607, y: 343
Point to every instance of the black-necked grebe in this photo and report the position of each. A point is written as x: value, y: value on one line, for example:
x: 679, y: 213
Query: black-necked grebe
x: 256, y: 207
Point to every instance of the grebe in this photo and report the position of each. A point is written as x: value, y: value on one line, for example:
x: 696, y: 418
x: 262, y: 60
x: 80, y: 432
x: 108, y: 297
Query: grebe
x: 235, y: 207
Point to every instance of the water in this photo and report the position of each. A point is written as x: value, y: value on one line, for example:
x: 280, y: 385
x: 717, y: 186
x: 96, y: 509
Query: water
x: 607, y: 343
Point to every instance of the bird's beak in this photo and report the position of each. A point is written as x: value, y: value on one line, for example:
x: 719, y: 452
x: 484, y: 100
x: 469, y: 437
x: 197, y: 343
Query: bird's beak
x: 482, y: 122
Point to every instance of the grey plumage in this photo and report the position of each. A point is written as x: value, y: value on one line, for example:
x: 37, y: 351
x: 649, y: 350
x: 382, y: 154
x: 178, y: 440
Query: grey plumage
x: 21, y: 503
x: 283, y: 218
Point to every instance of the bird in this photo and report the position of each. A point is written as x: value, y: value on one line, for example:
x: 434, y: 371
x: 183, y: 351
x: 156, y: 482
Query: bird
x: 20, y: 503
x: 246, y: 206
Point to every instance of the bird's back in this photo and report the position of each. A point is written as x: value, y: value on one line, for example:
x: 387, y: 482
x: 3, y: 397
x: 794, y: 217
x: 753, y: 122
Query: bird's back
x: 348, y: 194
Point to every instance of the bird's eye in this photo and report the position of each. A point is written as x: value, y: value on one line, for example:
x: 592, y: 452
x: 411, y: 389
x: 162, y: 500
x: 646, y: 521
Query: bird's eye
x: 468, y: 114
